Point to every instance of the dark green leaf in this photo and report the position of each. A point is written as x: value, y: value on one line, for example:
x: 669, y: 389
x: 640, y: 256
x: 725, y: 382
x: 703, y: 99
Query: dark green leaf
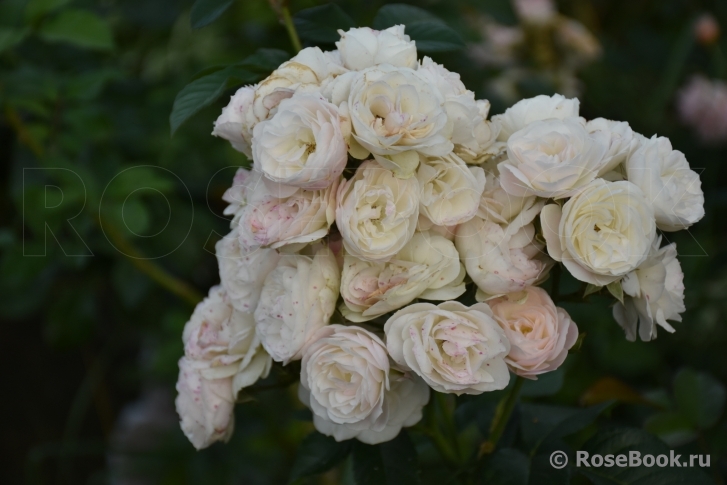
x: 434, y: 36
x: 541, y: 469
x: 321, y: 24
x: 399, y: 13
x: 80, y: 28
x: 430, y: 32
x: 620, y: 441
x: 317, y: 454
x: 671, y: 427
x: 700, y: 397
x: 506, y: 466
x: 204, y: 12
x: 542, y: 423
x: 392, y: 463
x: 265, y: 60
x: 38, y: 8
x: 10, y: 37
x: 203, y: 92
x: 546, y: 385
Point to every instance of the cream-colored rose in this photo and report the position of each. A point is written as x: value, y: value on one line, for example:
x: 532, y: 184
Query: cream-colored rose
x: 364, y: 47
x: 302, y: 145
x: 205, y: 406
x: 621, y: 141
x: 602, y: 233
x: 347, y: 382
x: 664, y: 176
x: 552, y: 158
x: 483, y: 146
x: 449, y: 190
x: 540, y: 333
x: 498, y: 246
x: 653, y: 294
x: 306, y: 72
x: 527, y: 111
x: 298, y: 297
x: 243, y: 272
x: 396, y: 114
x: 377, y: 213
x: 270, y: 219
x: 454, y: 348
x: 221, y: 342
x: 427, y: 267
x: 232, y: 124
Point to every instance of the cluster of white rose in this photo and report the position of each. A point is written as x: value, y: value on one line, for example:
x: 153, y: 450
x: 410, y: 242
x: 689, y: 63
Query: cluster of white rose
x: 377, y: 182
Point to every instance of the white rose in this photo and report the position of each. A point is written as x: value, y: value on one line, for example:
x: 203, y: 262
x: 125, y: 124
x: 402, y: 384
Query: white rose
x: 302, y: 145
x: 396, y: 114
x: 221, y: 342
x: 602, y: 233
x: 427, y: 267
x: 498, y: 246
x: 205, y: 406
x: 298, y: 297
x: 540, y: 333
x: 236, y: 196
x: 527, y: 111
x: 449, y: 190
x: 376, y: 213
x: 242, y: 272
x: 364, y: 47
x: 271, y: 219
x: 551, y: 158
x: 653, y: 294
x: 665, y: 178
x: 347, y: 382
x: 232, y: 124
x: 455, y: 349
x: 621, y: 141
x: 306, y: 72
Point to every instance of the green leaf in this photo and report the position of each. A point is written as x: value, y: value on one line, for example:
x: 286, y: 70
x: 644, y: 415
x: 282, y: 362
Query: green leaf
x: 203, y: 92
x: 430, y: 33
x: 10, y: 37
x: 204, y: 12
x: 506, y: 466
x: 317, y: 454
x: 434, y: 36
x: 38, y: 8
x: 546, y: 385
x: 394, y: 462
x: 620, y: 441
x: 671, y: 427
x: 80, y: 28
x: 399, y: 13
x: 616, y: 290
x: 321, y: 24
x: 265, y: 60
x: 700, y: 398
x: 543, y: 423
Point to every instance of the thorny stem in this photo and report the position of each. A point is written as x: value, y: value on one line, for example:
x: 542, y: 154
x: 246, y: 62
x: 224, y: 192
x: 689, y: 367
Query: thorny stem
x: 502, y: 416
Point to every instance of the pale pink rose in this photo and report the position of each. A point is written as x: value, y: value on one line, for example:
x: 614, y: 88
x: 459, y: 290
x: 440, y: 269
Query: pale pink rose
x: 540, y: 333
x: 205, y: 406
x: 271, y: 219
x: 702, y: 104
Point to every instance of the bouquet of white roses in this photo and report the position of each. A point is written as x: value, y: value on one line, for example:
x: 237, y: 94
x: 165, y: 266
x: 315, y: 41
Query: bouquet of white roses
x: 380, y: 200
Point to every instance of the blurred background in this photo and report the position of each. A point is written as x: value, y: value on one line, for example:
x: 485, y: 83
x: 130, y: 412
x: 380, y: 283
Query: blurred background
x: 108, y: 223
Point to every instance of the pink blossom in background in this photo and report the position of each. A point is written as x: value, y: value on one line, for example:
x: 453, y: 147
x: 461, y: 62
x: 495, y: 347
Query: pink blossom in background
x: 702, y: 104
x: 535, y: 11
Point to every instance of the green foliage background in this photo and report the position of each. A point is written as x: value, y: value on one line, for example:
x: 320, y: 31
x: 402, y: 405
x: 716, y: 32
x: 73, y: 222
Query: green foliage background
x: 108, y: 226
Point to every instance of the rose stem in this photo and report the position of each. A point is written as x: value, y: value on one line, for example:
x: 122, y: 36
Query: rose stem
x: 502, y: 416
x: 290, y: 27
